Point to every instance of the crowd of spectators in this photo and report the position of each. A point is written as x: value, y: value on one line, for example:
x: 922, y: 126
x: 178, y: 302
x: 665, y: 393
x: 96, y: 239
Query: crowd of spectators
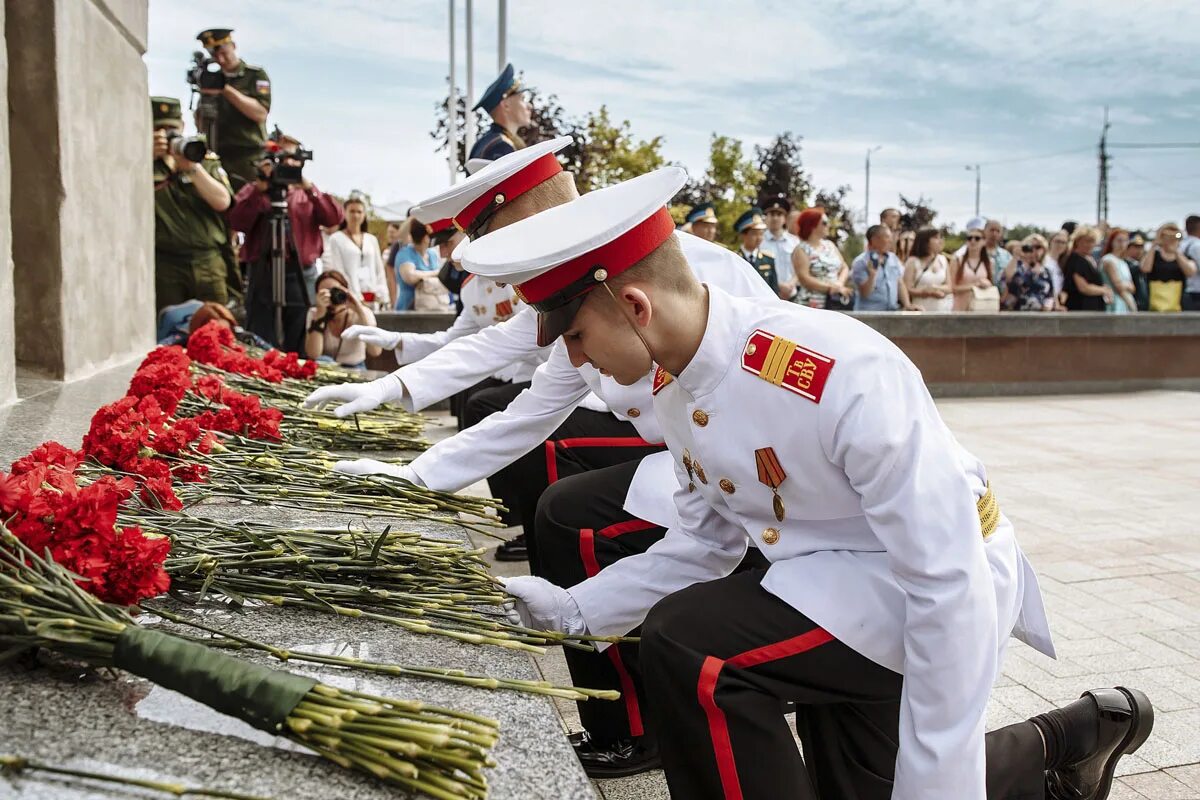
x: 1077, y: 268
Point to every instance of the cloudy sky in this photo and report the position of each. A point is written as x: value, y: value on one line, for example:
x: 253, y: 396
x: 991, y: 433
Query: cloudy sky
x: 1015, y: 86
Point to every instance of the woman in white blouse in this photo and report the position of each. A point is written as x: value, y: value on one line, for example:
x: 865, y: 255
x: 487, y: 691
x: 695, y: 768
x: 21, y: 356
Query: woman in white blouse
x: 355, y: 253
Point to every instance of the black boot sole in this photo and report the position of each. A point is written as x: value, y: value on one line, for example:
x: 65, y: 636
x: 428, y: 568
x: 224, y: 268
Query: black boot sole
x: 601, y: 772
x: 1139, y: 732
x: 509, y: 555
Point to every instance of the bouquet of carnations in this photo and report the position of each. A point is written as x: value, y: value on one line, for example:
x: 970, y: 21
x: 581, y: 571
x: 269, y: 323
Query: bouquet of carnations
x: 438, y: 751
x: 225, y: 368
x: 172, y: 432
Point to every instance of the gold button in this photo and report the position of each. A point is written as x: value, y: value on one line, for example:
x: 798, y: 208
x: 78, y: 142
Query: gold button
x: 700, y: 417
x: 633, y: 413
x: 770, y: 536
x: 700, y: 473
x: 726, y: 486
x: 750, y: 348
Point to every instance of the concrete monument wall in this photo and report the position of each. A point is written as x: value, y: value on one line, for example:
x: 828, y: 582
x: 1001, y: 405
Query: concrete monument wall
x: 83, y: 229
x: 7, y: 342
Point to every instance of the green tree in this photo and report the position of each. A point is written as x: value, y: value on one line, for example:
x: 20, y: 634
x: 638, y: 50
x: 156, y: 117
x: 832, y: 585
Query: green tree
x: 841, y: 216
x: 782, y: 170
x: 916, y: 214
x: 608, y: 153
x: 730, y: 184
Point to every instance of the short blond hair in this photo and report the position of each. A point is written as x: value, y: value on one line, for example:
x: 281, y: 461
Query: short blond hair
x: 666, y: 267
x: 1083, y: 232
x: 556, y: 191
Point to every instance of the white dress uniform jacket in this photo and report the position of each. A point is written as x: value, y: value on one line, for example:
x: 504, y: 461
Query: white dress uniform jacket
x: 881, y: 542
x: 485, y: 303
x: 557, y: 389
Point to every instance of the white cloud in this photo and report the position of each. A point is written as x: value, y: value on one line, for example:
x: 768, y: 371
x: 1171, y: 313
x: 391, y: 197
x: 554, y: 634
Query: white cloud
x: 940, y: 83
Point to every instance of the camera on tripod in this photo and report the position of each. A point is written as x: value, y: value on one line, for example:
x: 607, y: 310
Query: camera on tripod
x: 193, y: 148
x: 205, y: 73
x: 287, y: 167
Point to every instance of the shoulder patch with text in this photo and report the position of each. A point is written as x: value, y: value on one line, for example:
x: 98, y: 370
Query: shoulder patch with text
x: 787, y: 364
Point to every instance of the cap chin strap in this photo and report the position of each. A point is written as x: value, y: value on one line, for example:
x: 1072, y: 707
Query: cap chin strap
x: 633, y: 327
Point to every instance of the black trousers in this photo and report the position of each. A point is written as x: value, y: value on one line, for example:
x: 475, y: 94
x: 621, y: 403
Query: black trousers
x: 721, y: 659
x: 586, y: 440
x: 498, y: 395
x: 260, y: 308
x: 581, y: 529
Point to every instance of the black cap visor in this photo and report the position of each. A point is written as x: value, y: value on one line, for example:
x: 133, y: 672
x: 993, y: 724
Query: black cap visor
x: 555, y: 322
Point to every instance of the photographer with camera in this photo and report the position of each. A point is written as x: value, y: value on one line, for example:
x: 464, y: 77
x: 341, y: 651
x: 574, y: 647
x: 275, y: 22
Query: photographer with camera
x: 236, y: 98
x: 191, y: 191
x: 336, y: 310
x: 281, y: 212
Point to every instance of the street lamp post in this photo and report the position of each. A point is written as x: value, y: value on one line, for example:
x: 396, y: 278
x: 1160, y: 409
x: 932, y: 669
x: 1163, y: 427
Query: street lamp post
x: 867, y: 190
x: 452, y: 110
x: 470, y: 131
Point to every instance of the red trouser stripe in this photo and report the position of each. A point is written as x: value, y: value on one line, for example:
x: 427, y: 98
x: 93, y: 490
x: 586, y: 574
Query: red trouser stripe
x: 628, y: 526
x: 706, y: 690
x: 587, y: 552
x: 552, y: 446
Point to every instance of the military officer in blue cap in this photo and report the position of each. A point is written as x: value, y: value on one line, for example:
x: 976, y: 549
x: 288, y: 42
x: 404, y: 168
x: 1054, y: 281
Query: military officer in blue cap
x: 505, y: 101
x: 750, y: 227
x: 702, y: 221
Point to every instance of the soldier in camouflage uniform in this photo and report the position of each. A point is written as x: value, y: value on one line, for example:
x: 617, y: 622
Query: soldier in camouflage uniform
x: 242, y: 107
x: 190, y: 199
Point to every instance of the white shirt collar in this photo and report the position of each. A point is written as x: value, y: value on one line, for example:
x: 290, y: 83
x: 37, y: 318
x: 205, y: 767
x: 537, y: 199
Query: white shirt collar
x: 711, y: 361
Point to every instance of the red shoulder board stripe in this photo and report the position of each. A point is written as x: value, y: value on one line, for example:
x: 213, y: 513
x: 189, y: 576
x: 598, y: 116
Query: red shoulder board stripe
x: 661, y: 379
x: 787, y: 364
x: 504, y: 309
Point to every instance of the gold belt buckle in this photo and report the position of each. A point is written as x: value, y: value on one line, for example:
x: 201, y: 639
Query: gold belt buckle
x: 989, y: 512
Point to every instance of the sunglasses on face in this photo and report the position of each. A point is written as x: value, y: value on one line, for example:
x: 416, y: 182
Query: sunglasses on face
x: 974, y: 238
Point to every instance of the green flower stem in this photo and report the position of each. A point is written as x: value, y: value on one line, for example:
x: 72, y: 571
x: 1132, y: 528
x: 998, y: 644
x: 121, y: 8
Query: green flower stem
x: 429, y: 673
x: 18, y: 765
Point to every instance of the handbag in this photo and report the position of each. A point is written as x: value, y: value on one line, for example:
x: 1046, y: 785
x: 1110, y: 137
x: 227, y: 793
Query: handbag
x: 430, y: 295
x: 1166, y: 295
x: 984, y: 300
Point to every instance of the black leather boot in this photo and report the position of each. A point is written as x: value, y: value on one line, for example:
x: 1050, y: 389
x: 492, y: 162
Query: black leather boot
x: 514, y: 549
x: 1091, y: 744
x: 619, y: 758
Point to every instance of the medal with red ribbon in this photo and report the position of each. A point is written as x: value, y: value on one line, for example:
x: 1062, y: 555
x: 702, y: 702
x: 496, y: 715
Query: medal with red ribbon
x: 770, y: 473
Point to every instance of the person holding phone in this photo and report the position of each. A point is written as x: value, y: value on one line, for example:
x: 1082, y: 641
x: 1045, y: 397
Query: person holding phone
x: 336, y: 309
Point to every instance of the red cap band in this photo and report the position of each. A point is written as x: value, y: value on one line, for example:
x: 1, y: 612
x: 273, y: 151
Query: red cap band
x: 616, y: 256
x: 440, y: 225
x: 512, y: 187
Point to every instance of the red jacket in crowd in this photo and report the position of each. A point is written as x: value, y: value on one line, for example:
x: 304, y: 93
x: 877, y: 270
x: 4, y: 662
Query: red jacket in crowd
x: 307, y: 209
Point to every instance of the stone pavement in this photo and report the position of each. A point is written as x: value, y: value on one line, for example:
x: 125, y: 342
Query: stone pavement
x: 1102, y: 491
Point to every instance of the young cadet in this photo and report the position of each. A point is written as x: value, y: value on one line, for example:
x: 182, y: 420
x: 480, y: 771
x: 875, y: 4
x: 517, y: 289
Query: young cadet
x: 542, y: 435
x: 485, y: 303
x: 505, y: 102
x: 894, y: 580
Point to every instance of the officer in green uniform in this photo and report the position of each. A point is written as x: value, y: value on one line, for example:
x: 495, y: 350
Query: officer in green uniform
x: 750, y: 227
x: 190, y: 199
x: 241, y: 108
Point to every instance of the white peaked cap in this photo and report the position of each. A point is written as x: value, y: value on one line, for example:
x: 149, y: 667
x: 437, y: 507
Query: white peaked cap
x: 534, y: 164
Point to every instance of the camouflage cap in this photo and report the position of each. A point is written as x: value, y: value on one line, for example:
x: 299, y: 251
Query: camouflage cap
x: 165, y: 109
x: 215, y: 37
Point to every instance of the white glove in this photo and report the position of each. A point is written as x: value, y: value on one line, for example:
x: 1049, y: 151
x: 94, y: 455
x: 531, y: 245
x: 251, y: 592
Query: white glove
x: 368, y: 334
x: 358, y: 397
x: 543, y: 606
x: 369, y: 466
